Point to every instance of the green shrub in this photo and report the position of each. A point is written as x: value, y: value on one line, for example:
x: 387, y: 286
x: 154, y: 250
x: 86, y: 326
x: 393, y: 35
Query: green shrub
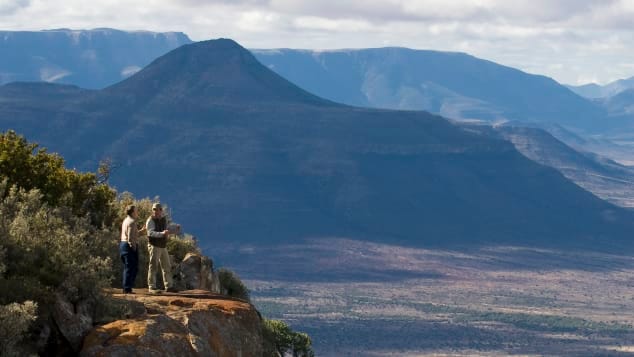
x: 26, y: 166
x: 15, y: 320
x: 231, y: 283
x: 279, y: 338
x: 180, y: 247
x: 57, y: 250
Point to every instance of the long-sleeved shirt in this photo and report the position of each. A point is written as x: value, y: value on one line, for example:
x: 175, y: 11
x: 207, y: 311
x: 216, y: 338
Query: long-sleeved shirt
x: 129, y: 232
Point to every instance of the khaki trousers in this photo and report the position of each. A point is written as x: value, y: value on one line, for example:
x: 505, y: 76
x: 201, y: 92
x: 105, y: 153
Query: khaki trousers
x: 159, y: 256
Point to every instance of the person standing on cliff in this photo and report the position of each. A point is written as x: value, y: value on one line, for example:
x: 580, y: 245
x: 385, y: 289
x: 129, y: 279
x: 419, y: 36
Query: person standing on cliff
x: 158, y: 233
x: 129, y: 248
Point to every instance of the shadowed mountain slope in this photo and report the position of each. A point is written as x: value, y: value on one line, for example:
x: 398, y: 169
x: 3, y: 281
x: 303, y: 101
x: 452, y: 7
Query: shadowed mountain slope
x: 603, y: 177
x: 243, y: 155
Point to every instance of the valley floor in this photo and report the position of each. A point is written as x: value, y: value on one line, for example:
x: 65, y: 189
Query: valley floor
x: 365, y: 299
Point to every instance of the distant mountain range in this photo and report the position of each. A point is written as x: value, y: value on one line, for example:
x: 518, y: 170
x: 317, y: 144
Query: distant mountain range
x: 621, y: 104
x: 462, y: 87
x: 454, y: 85
x: 594, y: 91
x: 241, y: 155
x: 86, y: 58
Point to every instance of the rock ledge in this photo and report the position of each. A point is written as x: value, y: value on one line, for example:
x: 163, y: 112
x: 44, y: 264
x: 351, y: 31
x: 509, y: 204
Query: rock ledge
x: 190, y: 323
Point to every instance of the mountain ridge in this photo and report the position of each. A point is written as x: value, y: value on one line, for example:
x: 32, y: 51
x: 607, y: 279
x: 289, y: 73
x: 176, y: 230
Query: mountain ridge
x: 453, y: 84
x: 299, y: 167
x: 597, y: 91
x: 87, y: 58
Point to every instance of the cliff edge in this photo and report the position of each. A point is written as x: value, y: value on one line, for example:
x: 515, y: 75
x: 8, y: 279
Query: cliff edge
x: 189, y: 323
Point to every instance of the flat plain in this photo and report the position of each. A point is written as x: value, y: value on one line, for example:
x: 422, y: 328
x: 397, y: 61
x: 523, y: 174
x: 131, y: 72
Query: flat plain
x: 367, y: 299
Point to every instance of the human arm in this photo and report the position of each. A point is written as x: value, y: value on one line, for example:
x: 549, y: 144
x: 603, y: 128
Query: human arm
x: 151, y: 230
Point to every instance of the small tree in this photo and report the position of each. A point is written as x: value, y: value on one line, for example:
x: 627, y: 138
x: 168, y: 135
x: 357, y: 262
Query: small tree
x: 280, y: 338
x: 231, y: 283
x: 26, y: 166
x: 106, y: 167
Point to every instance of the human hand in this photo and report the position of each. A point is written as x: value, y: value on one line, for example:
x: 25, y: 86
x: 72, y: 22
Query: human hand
x: 166, y: 232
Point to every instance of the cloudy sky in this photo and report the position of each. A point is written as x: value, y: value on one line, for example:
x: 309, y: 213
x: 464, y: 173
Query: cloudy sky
x: 573, y: 41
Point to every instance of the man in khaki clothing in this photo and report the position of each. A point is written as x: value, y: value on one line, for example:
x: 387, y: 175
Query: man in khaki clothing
x: 158, y: 233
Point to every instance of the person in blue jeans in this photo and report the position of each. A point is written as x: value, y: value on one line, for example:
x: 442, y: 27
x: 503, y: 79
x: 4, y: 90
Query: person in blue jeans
x: 129, y: 248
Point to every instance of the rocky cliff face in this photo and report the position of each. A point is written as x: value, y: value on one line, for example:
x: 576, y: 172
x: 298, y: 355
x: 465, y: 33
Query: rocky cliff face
x: 191, y: 323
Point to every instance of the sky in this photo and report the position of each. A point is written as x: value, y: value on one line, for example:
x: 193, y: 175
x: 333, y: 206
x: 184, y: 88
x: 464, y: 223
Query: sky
x: 572, y: 41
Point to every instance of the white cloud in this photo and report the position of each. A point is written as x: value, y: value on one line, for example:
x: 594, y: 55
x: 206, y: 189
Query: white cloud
x: 325, y: 24
x: 584, y: 38
x: 11, y: 6
x: 257, y: 21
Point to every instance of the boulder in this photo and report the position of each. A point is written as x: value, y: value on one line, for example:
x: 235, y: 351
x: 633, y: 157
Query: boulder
x: 74, y: 321
x: 196, y: 272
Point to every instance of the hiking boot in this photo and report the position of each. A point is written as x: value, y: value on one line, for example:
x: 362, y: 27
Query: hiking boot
x: 171, y: 290
x: 154, y: 291
x: 128, y: 291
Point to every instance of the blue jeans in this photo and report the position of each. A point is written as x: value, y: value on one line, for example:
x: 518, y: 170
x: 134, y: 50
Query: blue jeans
x: 130, y: 259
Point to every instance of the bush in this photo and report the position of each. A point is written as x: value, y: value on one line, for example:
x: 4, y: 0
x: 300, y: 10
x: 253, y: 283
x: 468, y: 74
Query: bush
x: 231, y: 283
x: 279, y: 338
x: 180, y: 247
x: 15, y: 320
x: 26, y: 166
x: 52, y: 249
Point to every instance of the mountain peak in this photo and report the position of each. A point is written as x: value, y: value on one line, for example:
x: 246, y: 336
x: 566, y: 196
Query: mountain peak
x: 215, y: 72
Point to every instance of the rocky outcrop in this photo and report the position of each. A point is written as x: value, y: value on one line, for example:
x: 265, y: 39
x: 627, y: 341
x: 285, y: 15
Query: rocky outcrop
x: 190, y: 323
x: 73, y: 320
x: 196, y: 272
